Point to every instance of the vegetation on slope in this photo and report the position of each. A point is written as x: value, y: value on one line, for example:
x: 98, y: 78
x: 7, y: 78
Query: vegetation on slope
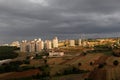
x: 7, y: 52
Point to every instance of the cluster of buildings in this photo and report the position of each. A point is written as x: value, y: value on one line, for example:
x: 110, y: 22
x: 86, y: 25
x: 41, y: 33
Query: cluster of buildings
x: 73, y: 43
x: 92, y: 43
x: 37, y: 45
x: 14, y: 44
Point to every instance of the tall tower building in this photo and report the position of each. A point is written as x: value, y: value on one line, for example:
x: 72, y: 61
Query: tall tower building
x: 48, y: 44
x: 32, y: 46
x: 72, y: 42
x: 23, y: 46
x: 79, y: 42
x: 39, y: 39
x: 28, y: 46
x: 39, y: 45
x: 55, y: 42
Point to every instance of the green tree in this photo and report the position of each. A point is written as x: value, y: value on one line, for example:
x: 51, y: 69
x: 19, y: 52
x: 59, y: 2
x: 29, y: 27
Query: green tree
x: 7, y: 52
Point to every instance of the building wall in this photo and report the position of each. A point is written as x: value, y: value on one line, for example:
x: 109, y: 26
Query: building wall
x: 79, y: 42
x: 56, y: 54
x: 39, y: 46
x: 48, y: 44
x: 23, y: 46
x: 32, y: 46
x: 55, y: 42
x: 72, y: 43
x: 15, y: 43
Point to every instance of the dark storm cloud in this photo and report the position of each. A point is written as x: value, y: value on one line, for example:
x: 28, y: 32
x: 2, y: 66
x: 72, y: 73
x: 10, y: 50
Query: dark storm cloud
x: 28, y: 18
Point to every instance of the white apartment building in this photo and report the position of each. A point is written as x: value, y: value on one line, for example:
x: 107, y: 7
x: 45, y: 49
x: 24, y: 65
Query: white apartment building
x: 55, y: 42
x: 80, y: 42
x: 48, y: 44
x: 32, y: 46
x: 56, y: 54
x: 71, y: 43
x: 23, y: 45
x: 15, y: 43
x: 39, y: 46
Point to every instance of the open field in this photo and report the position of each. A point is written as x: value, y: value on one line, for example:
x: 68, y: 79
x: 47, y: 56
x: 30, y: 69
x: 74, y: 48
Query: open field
x: 98, y: 74
x: 59, y: 64
x: 55, y: 61
x: 110, y: 60
x: 108, y: 72
x: 13, y: 75
x: 84, y: 60
x: 72, y: 77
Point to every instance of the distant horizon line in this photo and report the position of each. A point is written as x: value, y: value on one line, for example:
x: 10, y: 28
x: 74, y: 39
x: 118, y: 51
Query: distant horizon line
x: 62, y: 36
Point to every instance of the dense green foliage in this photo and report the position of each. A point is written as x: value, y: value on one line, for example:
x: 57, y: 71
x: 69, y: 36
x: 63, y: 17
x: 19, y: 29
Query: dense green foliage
x: 25, y: 78
x: 101, y: 65
x: 7, y: 52
x: 105, y: 49
x: 71, y: 70
x: 14, y: 66
x: 37, y: 56
x: 8, y: 67
x: 45, y: 73
x: 88, y: 79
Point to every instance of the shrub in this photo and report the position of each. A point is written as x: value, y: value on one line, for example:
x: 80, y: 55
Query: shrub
x: 115, y: 62
x: 101, y: 65
x: 26, y: 61
x: 79, y: 64
x: 7, y: 52
x: 91, y: 63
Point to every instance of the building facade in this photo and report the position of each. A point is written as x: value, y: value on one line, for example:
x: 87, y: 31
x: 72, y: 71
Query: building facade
x: 32, y: 46
x: 15, y: 43
x: 71, y: 43
x: 55, y: 42
x: 23, y: 46
x: 48, y: 44
x: 56, y: 54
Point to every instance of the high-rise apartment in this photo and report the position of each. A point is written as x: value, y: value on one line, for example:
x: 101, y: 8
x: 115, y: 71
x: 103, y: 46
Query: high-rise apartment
x: 48, y: 44
x: 55, y: 42
x: 72, y: 43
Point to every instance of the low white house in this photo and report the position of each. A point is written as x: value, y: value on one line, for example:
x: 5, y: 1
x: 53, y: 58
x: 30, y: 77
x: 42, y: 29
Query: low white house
x: 56, y: 54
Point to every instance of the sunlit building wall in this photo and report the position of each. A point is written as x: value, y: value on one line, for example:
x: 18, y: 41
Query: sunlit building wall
x: 39, y: 46
x: 79, y: 42
x: 71, y: 42
x: 23, y: 46
x: 15, y: 43
x: 55, y: 42
x: 32, y: 46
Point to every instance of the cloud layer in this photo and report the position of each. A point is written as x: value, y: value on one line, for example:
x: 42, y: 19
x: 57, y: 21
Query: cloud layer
x: 20, y: 19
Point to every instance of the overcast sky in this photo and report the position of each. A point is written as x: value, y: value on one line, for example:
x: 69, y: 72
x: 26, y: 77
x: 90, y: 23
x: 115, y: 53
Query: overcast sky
x: 27, y: 19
